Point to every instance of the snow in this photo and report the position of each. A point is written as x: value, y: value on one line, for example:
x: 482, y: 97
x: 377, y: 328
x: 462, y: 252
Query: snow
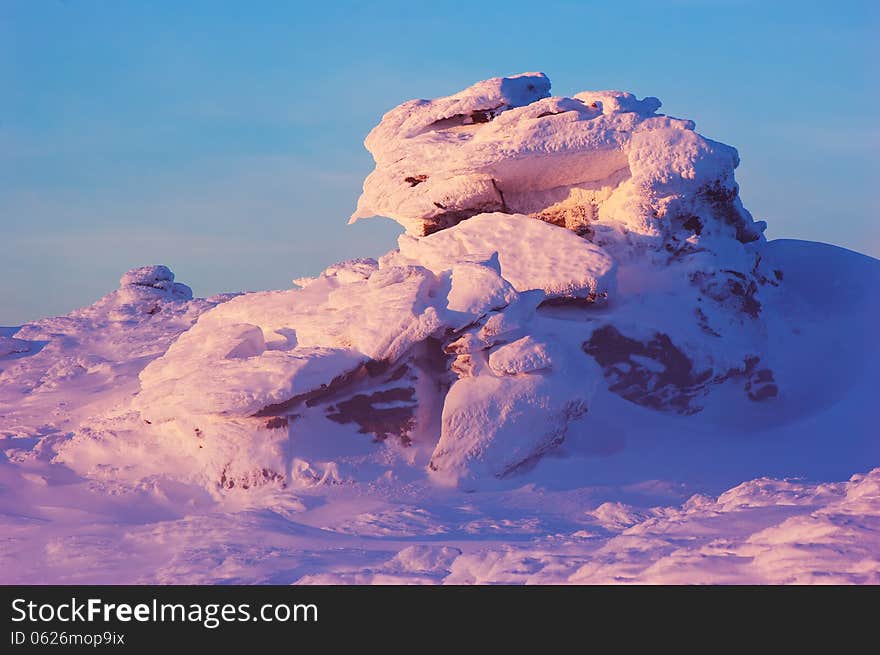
x: 583, y: 363
x: 495, y: 425
x: 598, y: 160
x: 10, y: 346
x: 526, y: 251
x: 522, y: 356
x: 476, y: 289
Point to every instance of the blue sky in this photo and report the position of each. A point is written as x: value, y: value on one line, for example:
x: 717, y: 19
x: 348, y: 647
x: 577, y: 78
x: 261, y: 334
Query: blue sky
x: 225, y: 139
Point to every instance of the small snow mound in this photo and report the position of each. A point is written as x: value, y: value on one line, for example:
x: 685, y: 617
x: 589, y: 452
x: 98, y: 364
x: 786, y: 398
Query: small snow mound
x: 158, y: 277
x: 524, y: 355
x: 617, y: 516
x: 139, y: 286
x: 478, y: 289
x: 424, y: 558
x: 619, y: 101
x: 352, y: 270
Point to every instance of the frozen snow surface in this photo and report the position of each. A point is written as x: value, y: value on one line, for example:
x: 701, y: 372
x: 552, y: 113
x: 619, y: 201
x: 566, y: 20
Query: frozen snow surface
x: 580, y: 349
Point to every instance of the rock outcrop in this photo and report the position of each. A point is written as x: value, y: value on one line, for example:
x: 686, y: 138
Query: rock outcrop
x: 554, y: 245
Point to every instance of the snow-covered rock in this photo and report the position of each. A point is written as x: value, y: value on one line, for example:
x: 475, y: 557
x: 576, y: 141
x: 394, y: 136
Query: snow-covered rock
x: 154, y: 277
x: 594, y: 162
x: 524, y: 355
x: 582, y: 326
x: 365, y: 334
x: 494, y: 425
x: 527, y: 253
x: 559, y: 250
x: 143, y: 290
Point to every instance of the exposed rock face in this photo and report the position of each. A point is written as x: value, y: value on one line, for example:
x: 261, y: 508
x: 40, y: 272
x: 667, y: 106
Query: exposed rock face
x: 653, y: 373
x: 554, y: 245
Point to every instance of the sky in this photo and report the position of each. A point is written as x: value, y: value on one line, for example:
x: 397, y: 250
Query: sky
x: 225, y: 140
